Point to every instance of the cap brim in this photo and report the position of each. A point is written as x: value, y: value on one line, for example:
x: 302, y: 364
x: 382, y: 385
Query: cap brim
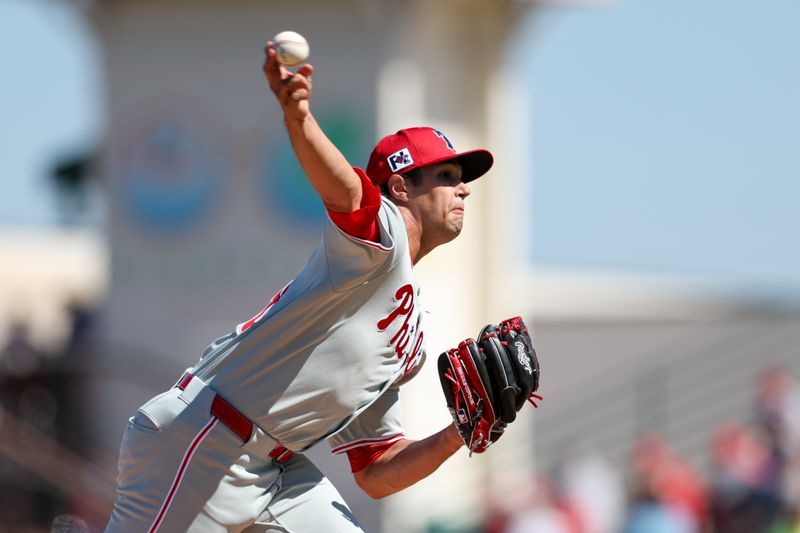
x: 474, y: 164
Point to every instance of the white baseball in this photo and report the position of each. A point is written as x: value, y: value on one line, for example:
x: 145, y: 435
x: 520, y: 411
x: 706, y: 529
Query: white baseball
x: 292, y: 48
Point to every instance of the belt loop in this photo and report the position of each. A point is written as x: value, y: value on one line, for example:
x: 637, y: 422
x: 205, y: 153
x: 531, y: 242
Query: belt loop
x: 184, y: 381
x: 236, y: 421
x: 281, y: 454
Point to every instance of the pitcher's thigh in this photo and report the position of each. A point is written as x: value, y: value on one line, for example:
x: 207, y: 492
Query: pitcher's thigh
x: 146, y: 469
x: 188, y: 484
x: 306, y: 502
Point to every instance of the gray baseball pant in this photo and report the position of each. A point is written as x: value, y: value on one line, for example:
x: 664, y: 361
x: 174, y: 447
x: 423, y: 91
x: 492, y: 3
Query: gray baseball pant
x: 182, y: 469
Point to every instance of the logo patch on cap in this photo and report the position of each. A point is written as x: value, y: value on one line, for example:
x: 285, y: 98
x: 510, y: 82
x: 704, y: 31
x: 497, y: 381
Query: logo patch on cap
x: 400, y: 160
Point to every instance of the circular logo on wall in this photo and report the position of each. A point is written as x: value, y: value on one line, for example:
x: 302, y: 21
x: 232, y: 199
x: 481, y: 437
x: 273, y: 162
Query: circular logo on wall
x: 170, y: 177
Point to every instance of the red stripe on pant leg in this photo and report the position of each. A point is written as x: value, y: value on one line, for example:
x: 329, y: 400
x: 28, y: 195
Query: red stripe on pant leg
x: 181, y: 471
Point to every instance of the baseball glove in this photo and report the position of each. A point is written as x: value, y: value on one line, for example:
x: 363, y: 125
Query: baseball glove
x: 486, y: 382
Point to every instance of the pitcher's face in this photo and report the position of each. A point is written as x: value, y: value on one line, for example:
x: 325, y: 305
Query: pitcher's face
x: 439, y: 201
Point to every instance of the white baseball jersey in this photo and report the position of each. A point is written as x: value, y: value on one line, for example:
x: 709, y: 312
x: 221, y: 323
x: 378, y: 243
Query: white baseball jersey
x: 325, y: 358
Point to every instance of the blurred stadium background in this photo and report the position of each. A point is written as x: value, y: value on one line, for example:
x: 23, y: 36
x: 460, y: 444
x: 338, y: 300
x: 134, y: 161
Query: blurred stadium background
x: 641, y: 214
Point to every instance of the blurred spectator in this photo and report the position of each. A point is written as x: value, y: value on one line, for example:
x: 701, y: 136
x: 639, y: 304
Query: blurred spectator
x: 546, y: 514
x: 744, y: 497
x: 790, y: 519
x: 649, y: 515
x: 593, y: 489
x: 661, y: 476
x: 778, y: 414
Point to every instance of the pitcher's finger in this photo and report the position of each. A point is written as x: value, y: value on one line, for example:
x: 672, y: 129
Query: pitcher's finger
x: 274, y: 72
x: 306, y: 70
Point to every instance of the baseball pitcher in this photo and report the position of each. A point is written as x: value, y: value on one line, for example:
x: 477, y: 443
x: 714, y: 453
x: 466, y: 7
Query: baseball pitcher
x: 325, y: 357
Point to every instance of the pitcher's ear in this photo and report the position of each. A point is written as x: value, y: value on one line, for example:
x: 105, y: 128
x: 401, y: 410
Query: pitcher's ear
x: 397, y: 188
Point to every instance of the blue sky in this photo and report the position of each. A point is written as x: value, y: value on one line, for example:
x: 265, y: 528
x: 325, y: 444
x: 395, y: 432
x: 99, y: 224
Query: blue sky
x: 51, y: 100
x: 666, y: 132
x: 667, y: 136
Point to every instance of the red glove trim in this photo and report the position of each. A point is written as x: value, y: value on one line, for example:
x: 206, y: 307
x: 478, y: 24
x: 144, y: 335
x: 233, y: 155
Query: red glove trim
x: 363, y: 222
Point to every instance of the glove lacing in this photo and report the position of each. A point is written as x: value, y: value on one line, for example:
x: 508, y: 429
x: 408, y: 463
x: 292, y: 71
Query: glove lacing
x: 456, y: 387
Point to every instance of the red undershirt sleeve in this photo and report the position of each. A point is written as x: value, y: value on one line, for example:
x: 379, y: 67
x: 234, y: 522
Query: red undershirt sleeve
x: 363, y: 456
x: 363, y: 222
x: 374, y: 431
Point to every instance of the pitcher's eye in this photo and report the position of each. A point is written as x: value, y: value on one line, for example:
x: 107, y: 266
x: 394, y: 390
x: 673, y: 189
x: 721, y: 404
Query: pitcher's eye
x: 447, y: 175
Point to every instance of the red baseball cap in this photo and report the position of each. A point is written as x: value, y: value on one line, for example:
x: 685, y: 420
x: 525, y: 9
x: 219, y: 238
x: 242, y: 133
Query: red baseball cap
x: 412, y: 148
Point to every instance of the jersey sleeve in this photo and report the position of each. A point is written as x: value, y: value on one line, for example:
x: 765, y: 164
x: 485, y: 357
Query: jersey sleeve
x: 352, y: 261
x: 363, y: 222
x: 372, y: 432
